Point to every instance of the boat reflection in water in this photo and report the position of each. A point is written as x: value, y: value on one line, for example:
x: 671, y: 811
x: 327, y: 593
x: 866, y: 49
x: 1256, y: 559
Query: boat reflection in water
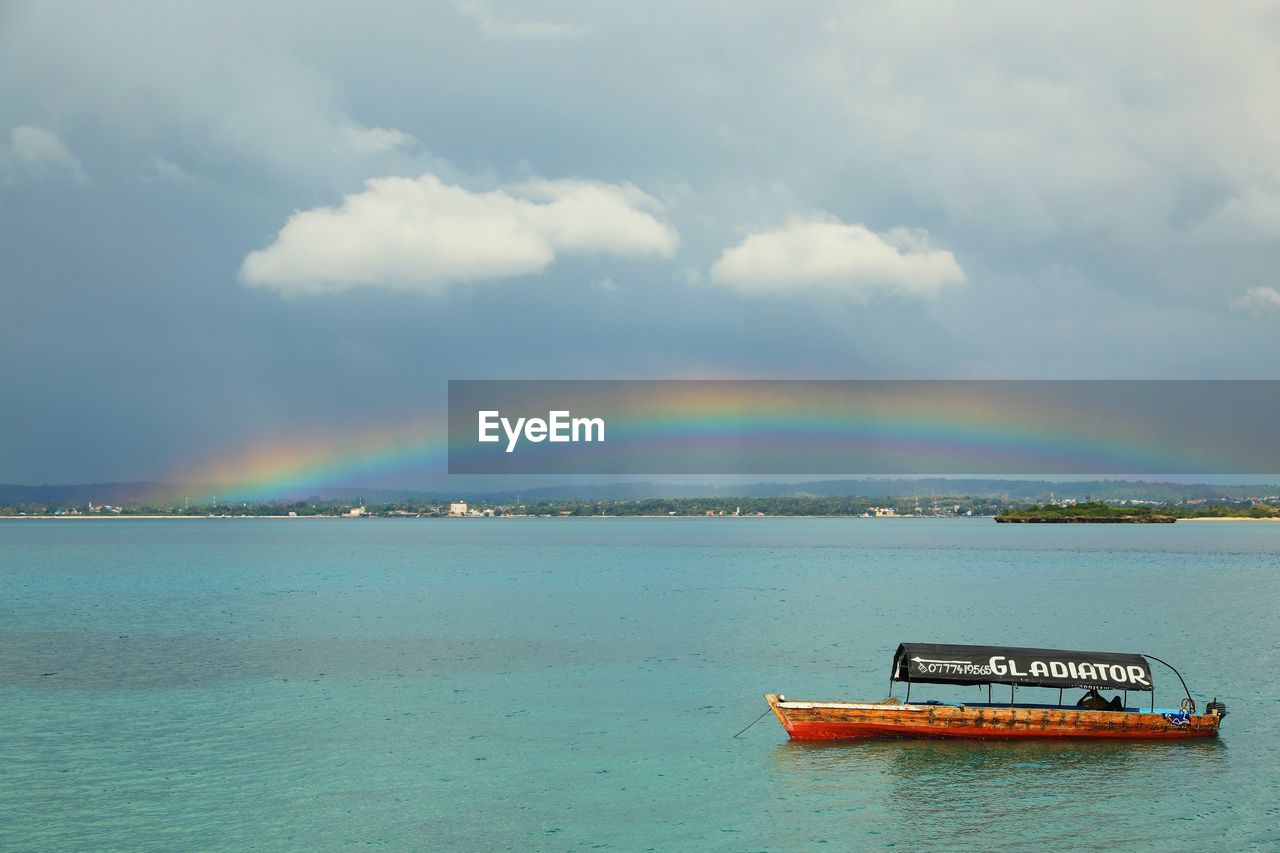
x: 950, y: 793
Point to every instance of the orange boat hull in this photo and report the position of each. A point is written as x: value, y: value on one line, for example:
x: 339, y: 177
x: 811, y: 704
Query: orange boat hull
x: 847, y: 720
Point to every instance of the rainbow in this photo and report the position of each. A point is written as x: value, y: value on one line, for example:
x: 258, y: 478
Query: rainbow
x: 298, y: 466
x: 745, y: 427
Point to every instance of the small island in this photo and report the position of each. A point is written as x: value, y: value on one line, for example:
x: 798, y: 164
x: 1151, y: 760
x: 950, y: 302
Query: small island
x: 1092, y: 512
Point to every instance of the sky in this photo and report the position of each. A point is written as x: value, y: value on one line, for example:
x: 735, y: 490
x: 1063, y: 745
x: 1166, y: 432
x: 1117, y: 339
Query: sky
x: 229, y: 226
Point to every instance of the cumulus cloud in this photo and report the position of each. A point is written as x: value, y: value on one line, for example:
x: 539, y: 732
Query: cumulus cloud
x: 1260, y: 300
x: 824, y: 254
x: 424, y: 234
x: 34, y: 152
x: 499, y: 26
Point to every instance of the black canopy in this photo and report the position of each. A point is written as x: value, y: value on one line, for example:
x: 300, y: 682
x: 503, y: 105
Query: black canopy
x: 943, y: 664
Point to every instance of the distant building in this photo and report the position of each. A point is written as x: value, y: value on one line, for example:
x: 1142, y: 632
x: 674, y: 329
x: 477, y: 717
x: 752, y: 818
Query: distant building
x: 356, y: 511
x: 883, y: 511
x: 458, y: 508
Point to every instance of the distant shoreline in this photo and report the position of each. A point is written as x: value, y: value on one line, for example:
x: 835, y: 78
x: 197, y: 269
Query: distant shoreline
x: 560, y: 517
x: 113, y: 517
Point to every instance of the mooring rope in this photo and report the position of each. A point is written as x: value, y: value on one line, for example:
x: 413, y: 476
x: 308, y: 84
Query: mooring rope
x: 757, y: 719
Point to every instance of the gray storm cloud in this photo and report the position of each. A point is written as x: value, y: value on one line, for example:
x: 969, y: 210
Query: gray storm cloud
x: 673, y: 190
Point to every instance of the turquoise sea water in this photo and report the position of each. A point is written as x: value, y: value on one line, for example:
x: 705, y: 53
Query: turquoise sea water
x: 562, y: 684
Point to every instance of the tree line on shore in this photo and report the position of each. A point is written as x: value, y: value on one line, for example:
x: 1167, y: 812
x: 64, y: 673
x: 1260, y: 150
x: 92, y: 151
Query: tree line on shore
x: 794, y: 505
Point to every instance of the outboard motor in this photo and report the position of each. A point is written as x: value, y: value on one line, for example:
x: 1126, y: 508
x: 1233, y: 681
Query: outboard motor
x: 1216, y: 707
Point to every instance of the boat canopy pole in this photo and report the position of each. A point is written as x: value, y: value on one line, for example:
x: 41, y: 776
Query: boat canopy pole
x: 1175, y: 672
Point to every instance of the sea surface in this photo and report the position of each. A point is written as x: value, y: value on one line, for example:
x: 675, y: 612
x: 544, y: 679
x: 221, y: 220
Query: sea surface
x: 561, y: 684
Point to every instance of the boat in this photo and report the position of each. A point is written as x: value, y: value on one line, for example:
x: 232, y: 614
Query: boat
x: 1091, y: 716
